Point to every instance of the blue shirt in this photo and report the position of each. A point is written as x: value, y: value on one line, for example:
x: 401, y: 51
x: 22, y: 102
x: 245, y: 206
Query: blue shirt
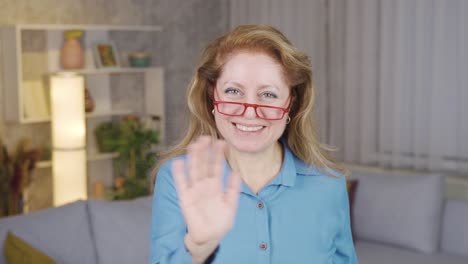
x: 301, y: 216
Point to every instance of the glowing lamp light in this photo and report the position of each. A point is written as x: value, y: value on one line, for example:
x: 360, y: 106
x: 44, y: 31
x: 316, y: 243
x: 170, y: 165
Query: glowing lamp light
x: 68, y: 138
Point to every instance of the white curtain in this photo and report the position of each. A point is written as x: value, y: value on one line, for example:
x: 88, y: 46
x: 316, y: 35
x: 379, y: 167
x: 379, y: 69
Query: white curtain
x: 399, y: 72
x: 353, y: 78
x: 304, y: 23
x: 391, y: 75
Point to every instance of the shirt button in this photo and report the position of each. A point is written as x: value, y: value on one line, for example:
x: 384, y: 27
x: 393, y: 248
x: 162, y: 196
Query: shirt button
x: 260, y: 205
x: 263, y: 246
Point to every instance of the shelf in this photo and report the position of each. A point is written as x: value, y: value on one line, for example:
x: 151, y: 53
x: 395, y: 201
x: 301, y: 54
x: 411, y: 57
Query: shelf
x: 35, y: 120
x: 111, y: 70
x: 92, y: 157
x: 88, y: 116
x: 109, y: 114
x: 89, y: 27
x: 102, y: 156
x: 43, y: 164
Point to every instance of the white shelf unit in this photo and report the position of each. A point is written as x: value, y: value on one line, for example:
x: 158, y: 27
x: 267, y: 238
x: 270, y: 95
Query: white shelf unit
x: 31, y: 54
x: 24, y: 67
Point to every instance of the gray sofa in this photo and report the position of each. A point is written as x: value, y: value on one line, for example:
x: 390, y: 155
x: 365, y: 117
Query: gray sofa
x: 88, y: 232
x: 396, y: 219
x: 401, y: 217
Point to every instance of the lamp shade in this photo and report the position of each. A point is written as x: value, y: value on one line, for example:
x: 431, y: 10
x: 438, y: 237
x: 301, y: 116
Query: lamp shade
x: 67, y: 109
x: 68, y: 138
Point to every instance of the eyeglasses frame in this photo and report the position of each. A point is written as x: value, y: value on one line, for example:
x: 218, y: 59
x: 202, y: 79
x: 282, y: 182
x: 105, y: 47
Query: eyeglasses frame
x: 255, y: 106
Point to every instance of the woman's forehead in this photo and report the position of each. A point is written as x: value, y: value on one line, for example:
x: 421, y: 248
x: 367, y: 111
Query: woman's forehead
x: 252, y: 69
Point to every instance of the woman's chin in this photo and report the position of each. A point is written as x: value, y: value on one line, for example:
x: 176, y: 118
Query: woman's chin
x: 249, y: 146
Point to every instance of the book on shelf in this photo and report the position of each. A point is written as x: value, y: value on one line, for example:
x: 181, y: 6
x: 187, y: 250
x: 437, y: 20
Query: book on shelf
x: 36, y: 99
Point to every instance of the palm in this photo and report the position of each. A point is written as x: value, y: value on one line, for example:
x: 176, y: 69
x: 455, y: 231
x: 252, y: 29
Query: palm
x: 209, y: 211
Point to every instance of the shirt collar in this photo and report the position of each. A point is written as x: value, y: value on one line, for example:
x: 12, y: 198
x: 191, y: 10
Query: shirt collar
x: 292, y: 167
x: 287, y: 174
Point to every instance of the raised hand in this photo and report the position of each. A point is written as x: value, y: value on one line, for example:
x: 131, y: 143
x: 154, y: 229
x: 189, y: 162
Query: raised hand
x: 208, y: 211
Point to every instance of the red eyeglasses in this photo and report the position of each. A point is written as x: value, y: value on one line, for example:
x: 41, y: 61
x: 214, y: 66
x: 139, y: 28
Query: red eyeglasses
x: 266, y: 112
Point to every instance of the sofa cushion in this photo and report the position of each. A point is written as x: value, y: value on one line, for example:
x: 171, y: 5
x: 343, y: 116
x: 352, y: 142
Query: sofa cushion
x: 403, y: 210
x: 121, y: 230
x: 63, y: 233
x: 375, y: 253
x: 454, y: 228
x: 19, y: 251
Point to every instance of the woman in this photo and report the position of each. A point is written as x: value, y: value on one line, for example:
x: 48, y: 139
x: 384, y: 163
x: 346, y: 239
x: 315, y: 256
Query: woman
x: 250, y: 183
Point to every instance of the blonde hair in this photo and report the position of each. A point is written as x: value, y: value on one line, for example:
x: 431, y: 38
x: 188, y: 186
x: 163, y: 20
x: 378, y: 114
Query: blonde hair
x: 299, y: 134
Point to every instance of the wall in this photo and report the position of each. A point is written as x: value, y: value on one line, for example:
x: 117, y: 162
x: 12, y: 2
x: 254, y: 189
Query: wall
x: 188, y: 26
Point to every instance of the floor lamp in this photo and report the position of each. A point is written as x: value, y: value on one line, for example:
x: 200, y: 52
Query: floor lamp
x: 68, y: 138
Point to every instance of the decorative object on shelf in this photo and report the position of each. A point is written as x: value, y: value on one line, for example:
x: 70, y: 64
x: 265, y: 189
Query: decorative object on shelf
x: 106, y: 135
x: 99, y: 190
x: 139, y: 59
x: 89, y: 102
x: 36, y: 99
x: 106, y: 55
x: 72, y: 53
x: 68, y: 138
x: 16, y: 170
x: 133, y: 143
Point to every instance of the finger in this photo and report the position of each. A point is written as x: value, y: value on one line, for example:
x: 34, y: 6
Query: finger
x: 206, y: 150
x: 195, y: 161
x: 180, y: 179
x: 218, y: 161
x: 233, y: 190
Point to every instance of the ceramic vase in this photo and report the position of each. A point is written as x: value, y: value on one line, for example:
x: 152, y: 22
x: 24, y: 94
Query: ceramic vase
x: 72, y: 53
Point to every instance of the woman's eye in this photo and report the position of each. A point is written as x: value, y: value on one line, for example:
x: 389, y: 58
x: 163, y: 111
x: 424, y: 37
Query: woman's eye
x: 270, y: 95
x: 232, y: 91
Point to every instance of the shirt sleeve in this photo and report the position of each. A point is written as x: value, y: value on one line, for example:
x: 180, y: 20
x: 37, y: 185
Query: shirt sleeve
x: 168, y: 226
x: 345, y: 252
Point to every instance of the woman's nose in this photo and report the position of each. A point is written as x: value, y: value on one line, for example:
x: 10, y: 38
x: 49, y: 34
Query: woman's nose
x: 250, y: 112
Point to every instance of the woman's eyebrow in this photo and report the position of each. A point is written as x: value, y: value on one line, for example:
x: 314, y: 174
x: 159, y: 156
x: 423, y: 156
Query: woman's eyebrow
x: 269, y: 86
x: 263, y: 86
x: 233, y: 82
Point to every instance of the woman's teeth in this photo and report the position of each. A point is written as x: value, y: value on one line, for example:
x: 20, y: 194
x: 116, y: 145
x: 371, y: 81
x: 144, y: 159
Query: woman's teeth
x: 248, y: 129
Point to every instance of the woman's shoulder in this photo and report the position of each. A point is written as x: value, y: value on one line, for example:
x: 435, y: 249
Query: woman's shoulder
x: 165, y: 168
x: 334, y: 179
x: 311, y: 170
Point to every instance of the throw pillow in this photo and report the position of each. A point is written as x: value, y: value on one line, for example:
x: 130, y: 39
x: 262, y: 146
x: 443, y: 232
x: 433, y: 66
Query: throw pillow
x: 403, y: 210
x: 18, y: 251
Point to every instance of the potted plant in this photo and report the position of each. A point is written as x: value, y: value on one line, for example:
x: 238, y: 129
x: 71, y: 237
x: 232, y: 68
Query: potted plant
x: 133, y: 142
x: 106, y: 135
x: 15, y: 175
